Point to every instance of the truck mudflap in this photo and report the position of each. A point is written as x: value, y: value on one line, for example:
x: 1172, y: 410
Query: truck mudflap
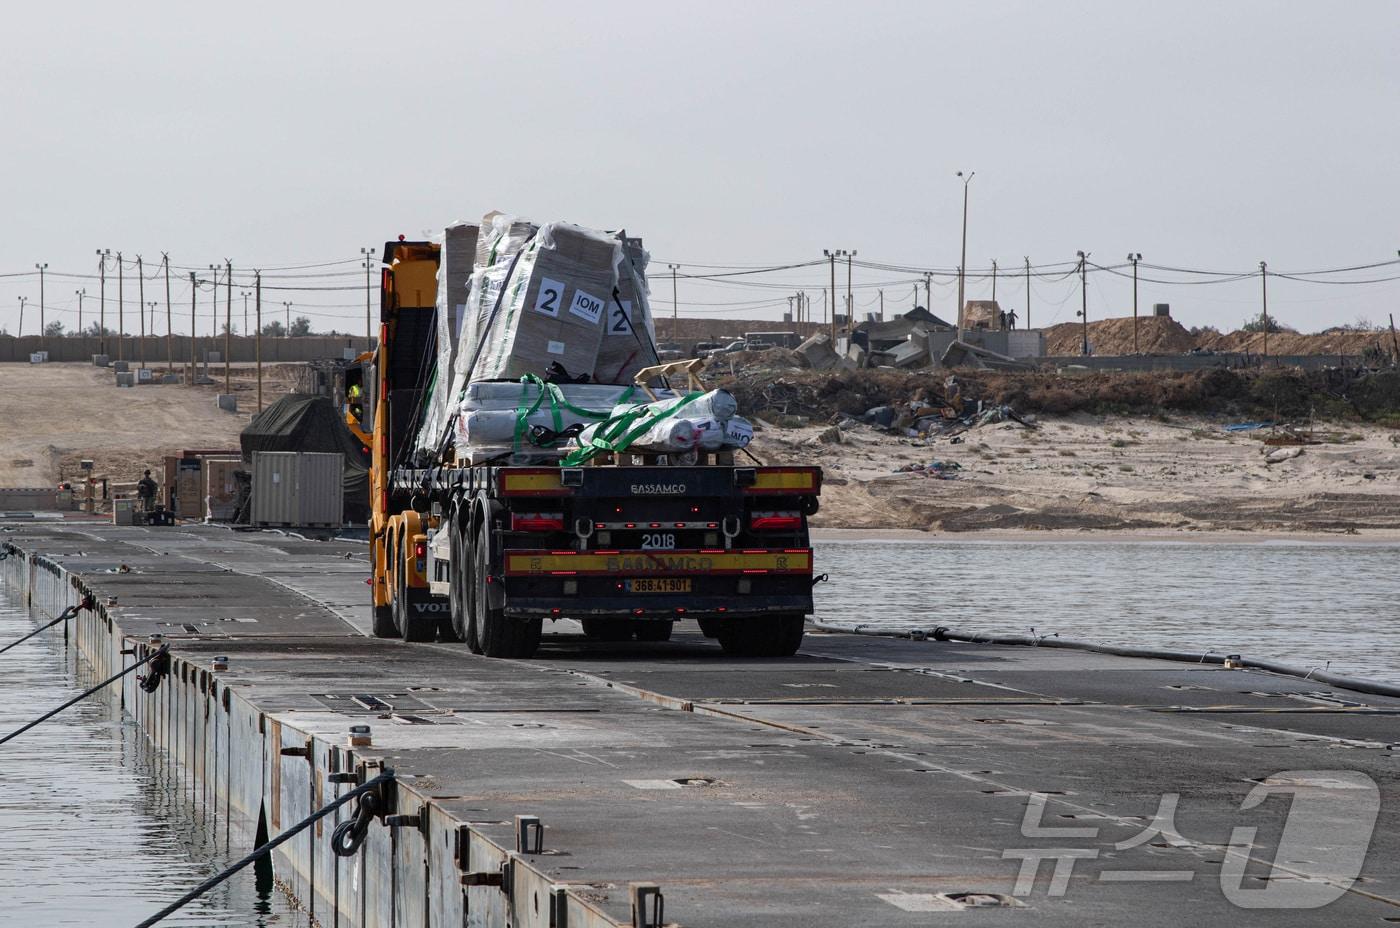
x: 716, y: 561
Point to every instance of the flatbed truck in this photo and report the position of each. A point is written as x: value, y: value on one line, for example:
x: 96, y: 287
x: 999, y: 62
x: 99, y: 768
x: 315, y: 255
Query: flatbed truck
x: 487, y: 553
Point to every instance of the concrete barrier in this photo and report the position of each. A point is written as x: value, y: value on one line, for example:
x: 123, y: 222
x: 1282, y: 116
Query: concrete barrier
x: 242, y: 349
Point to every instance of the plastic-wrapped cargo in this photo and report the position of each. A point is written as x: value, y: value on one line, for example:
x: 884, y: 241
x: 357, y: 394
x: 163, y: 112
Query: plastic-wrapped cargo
x: 670, y: 424
x: 456, y: 262
x: 543, y: 305
x: 629, y: 331
x: 501, y: 417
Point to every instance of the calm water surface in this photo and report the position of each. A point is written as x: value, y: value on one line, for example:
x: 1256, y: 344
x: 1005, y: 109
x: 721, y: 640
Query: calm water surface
x: 99, y: 829
x: 1307, y: 603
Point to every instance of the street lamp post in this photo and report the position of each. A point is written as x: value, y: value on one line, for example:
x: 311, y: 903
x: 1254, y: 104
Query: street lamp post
x: 963, y: 262
x: 80, y: 294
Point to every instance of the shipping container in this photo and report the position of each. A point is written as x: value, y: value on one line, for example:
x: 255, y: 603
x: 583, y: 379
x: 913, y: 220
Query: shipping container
x: 297, y: 488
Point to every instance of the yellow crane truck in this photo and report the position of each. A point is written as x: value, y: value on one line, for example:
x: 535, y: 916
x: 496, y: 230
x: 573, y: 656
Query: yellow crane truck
x: 486, y: 553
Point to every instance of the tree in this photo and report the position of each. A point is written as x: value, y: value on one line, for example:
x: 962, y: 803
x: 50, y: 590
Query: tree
x: 301, y: 326
x: 274, y: 329
x: 1257, y: 325
x: 224, y: 329
x: 53, y: 329
x: 96, y: 331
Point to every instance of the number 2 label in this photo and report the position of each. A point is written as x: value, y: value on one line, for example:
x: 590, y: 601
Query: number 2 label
x: 620, y: 321
x: 550, y: 297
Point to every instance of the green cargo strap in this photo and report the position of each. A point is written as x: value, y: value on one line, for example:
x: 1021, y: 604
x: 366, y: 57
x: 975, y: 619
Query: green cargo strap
x: 557, y: 402
x: 618, y: 433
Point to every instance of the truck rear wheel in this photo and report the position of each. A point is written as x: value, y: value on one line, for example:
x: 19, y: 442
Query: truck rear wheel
x: 453, y: 626
x: 415, y: 620
x: 765, y: 636
x: 500, y: 636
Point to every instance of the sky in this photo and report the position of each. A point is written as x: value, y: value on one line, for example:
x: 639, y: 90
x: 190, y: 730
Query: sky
x: 1202, y: 135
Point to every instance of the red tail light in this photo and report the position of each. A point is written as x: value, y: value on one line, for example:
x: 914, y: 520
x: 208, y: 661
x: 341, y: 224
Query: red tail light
x: 420, y: 550
x: 775, y: 521
x: 537, y: 521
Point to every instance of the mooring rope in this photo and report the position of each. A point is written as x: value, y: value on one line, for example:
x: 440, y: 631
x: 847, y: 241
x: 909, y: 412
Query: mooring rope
x: 159, y: 660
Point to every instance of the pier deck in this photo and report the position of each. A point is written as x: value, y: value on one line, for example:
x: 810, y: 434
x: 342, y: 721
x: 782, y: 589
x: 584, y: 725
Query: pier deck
x: 866, y: 781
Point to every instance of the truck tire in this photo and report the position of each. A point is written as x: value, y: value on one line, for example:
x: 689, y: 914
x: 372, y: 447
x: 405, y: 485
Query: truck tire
x: 653, y: 630
x: 764, y: 636
x: 469, y: 581
x: 382, y: 623
x: 414, y: 622
x: 453, y: 626
x: 500, y: 637
x: 608, y: 629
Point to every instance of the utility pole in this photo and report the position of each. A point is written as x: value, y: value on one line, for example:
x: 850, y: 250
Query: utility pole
x: 228, y: 321
x: 121, y: 307
x: 153, y: 304
x: 1028, y: 291
x: 1084, y: 298
x: 850, y: 298
x: 42, y: 268
x: 928, y: 292
x: 194, y: 297
x: 675, y: 305
x: 169, y: 339
x: 1264, y: 293
x: 245, y: 294
x: 80, y: 294
x: 882, y: 305
x: 141, y: 299
x: 22, y: 301
x: 369, y: 267
x: 288, y: 332
x: 963, y: 263
x: 994, y: 280
x: 916, y: 297
x: 102, y: 254
x: 831, y: 257
x: 791, y: 317
x: 257, y: 290
x: 213, y: 314
x: 1135, y: 258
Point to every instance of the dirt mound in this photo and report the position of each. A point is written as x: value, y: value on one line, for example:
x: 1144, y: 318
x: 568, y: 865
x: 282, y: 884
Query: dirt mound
x: 1331, y: 342
x: 1156, y: 335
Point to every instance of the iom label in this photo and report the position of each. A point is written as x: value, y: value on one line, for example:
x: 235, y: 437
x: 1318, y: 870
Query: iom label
x: 620, y: 318
x: 550, y: 297
x: 587, y: 307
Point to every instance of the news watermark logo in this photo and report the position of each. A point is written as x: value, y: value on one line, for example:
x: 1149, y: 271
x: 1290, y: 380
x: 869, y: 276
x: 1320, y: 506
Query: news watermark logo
x: 1315, y: 860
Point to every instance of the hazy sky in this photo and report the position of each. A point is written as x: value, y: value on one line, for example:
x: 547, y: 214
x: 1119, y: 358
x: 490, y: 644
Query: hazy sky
x: 1203, y: 135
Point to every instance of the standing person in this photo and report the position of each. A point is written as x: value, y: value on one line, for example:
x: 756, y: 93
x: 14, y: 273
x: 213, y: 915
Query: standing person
x: 146, y: 490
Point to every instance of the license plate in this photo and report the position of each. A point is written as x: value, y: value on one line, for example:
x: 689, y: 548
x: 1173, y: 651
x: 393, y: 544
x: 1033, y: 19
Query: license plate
x: 659, y: 585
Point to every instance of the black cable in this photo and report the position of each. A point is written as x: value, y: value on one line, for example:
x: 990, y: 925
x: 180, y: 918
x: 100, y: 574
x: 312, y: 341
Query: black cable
x: 162, y: 651
x: 350, y: 834
x: 63, y: 616
x: 266, y: 849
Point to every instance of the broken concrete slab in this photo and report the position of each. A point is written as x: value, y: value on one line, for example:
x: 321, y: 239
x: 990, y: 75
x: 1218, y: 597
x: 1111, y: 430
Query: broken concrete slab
x: 818, y: 353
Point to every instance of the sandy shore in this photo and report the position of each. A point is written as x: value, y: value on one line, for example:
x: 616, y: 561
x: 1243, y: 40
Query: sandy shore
x: 1137, y: 478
